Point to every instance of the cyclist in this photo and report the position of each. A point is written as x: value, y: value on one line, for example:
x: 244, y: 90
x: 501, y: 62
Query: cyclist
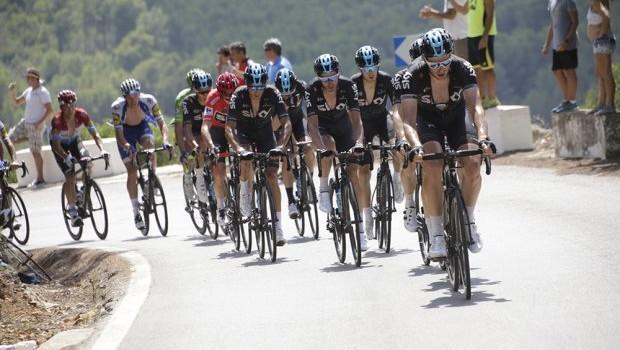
x: 293, y: 93
x: 178, y: 131
x: 6, y: 140
x: 196, y: 137
x: 131, y: 114
x: 252, y: 108
x: 215, y: 114
x: 374, y: 89
x: 67, y: 145
x: 408, y: 178
x: 334, y: 123
x: 442, y: 87
x: 6, y: 212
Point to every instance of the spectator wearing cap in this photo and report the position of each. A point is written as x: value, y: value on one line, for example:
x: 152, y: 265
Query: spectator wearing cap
x: 454, y: 23
x: 223, y: 60
x: 38, y: 109
x: 239, y: 59
x: 273, y: 54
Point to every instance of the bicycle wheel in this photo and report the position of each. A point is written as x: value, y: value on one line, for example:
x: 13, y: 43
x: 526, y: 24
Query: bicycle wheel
x: 14, y: 255
x: 146, y: 206
x: 422, y: 229
x: 209, y: 211
x: 300, y: 222
x: 158, y: 198
x: 268, y: 221
x: 19, y: 226
x: 335, y: 223
x: 97, y: 209
x: 310, y: 205
x: 462, y: 234
x: 193, y: 209
x: 388, y: 200
x: 351, y: 221
x: 247, y: 231
x: 234, y: 216
x: 378, y: 208
x: 74, y: 232
x: 451, y: 261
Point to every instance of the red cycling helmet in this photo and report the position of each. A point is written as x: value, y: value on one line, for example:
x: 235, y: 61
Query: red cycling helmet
x: 67, y: 97
x: 226, y: 83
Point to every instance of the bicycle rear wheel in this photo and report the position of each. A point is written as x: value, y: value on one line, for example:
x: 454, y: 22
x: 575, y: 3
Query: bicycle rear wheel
x: 336, y: 223
x: 74, y: 232
x: 19, y: 226
x: 97, y: 209
x: 158, y: 198
x: 310, y: 205
x: 351, y: 219
x: 268, y: 221
x: 192, y: 207
x: 461, y: 240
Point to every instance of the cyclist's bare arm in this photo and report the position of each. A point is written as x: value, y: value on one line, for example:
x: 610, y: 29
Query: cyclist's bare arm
x: 286, y: 131
x: 229, y: 131
x: 358, y: 128
x: 313, y: 130
x: 410, y: 114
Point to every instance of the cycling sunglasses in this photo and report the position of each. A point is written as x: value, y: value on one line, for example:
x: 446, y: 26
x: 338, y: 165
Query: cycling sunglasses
x: 437, y: 65
x: 369, y: 69
x: 330, y: 78
x: 256, y: 87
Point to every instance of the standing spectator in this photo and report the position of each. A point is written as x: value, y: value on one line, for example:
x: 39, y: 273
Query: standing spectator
x: 273, y: 54
x: 562, y: 35
x: 604, y: 42
x: 38, y: 109
x: 481, y: 31
x: 453, y: 22
x: 239, y: 59
x: 223, y: 60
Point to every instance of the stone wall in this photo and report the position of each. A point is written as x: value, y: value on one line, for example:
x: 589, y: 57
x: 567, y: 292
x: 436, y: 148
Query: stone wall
x: 578, y: 135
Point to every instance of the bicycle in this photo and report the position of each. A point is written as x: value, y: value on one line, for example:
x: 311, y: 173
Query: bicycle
x: 84, y: 201
x: 233, y: 213
x: 263, y: 219
x: 203, y: 215
x: 306, y: 198
x: 344, y: 218
x: 18, y: 222
x: 153, y: 196
x: 384, y: 194
x: 15, y: 256
x: 456, y: 221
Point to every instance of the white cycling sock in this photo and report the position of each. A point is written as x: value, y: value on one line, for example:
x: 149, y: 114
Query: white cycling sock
x: 324, y: 184
x: 135, y: 204
x: 244, y: 189
x: 409, y: 203
x: 279, y: 216
x: 397, y: 176
x: 221, y: 203
x: 470, y: 214
x: 367, y: 215
x: 435, y: 225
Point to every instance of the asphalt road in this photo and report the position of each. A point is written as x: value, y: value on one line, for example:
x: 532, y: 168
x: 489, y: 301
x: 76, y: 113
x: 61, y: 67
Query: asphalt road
x: 548, y: 276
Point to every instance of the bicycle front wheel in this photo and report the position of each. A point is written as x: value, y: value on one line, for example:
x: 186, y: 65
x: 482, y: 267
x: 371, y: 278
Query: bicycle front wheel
x: 158, y: 198
x: 209, y: 211
x: 268, y: 220
x: 335, y: 222
x: 192, y: 207
x: 19, y: 226
x: 234, y: 216
x: 387, y: 208
x: 351, y: 220
x: 97, y: 210
x: 74, y: 232
x: 461, y: 240
x: 310, y: 205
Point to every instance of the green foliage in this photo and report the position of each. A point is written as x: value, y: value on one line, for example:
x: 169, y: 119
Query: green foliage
x: 92, y: 45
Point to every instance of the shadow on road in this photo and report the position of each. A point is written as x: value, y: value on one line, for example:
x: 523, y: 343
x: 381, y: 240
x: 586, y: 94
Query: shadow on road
x: 457, y: 299
x: 298, y: 240
x: 426, y: 270
x: 142, y: 238
x: 209, y: 242
x: 265, y: 262
x: 337, y: 267
x: 379, y: 253
x: 232, y: 255
x: 70, y: 243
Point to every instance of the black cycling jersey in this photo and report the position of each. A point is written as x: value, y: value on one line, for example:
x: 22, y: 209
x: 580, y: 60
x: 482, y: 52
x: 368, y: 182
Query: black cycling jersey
x: 271, y: 105
x: 397, y: 85
x: 383, y: 91
x: 192, y: 112
x: 346, y: 100
x: 416, y: 84
x: 294, y: 101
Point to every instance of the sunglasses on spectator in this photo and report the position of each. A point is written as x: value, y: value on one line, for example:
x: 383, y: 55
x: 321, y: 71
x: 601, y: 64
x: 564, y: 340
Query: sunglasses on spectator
x: 328, y: 79
x: 437, y: 65
x: 369, y: 69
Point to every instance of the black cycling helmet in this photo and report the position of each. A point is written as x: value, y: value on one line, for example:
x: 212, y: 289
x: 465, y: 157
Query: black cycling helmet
x: 129, y: 86
x: 255, y: 75
x: 201, y: 81
x: 189, y: 76
x: 286, y: 81
x: 367, y: 56
x: 437, y: 42
x: 326, y: 63
x: 416, y: 48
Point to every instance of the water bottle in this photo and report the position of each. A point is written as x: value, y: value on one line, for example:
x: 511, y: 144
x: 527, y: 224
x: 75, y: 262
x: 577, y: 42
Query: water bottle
x: 211, y: 191
x: 339, y: 199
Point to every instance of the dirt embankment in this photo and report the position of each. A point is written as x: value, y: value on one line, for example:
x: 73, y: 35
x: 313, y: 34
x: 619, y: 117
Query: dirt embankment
x: 86, y: 286
x: 543, y: 156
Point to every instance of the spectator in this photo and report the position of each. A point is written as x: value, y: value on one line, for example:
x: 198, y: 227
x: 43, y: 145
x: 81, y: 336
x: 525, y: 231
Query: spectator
x: 562, y: 35
x: 38, y: 110
x: 223, y: 60
x: 453, y: 22
x: 273, y: 54
x: 604, y: 42
x: 481, y: 31
x: 239, y: 59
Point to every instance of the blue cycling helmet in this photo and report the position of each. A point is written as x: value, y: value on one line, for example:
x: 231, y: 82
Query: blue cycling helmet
x: 437, y: 42
x: 367, y: 56
x: 190, y: 75
x: 255, y: 75
x: 416, y: 48
x: 286, y: 81
x: 201, y: 81
x: 326, y: 63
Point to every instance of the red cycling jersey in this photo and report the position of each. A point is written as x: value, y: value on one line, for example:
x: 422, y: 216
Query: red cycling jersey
x: 216, y: 109
x: 60, y: 129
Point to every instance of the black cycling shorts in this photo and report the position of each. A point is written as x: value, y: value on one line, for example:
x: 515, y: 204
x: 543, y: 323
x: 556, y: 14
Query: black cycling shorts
x: 341, y: 130
x: 77, y: 150
x: 297, y: 124
x: 376, y: 126
x: 432, y: 127
x: 262, y: 138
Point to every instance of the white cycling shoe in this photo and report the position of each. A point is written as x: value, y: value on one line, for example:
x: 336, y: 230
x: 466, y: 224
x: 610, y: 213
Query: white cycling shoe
x: 293, y: 212
x: 475, y: 246
x: 411, y: 223
x: 280, y: 240
x: 438, y: 247
x: 325, y: 203
x: 369, y: 226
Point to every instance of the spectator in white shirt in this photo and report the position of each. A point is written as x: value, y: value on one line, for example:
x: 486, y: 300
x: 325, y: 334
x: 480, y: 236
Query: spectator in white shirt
x: 453, y: 22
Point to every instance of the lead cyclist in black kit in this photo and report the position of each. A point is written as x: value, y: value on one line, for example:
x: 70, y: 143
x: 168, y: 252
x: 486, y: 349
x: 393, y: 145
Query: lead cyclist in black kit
x: 444, y: 87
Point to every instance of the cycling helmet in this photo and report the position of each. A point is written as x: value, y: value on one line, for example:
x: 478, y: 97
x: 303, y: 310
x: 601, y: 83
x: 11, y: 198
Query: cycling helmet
x: 129, y: 86
x: 255, y: 75
x: 367, y: 56
x: 416, y: 48
x: 226, y: 83
x: 190, y: 75
x: 286, y: 81
x: 201, y: 81
x: 326, y: 63
x: 67, y: 97
x: 437, y: 42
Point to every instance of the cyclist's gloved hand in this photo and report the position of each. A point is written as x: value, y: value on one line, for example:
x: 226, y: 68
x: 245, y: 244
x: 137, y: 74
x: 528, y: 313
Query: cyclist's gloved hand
x: 69, y: 160
x: 326, y: 152
x: 416, y: 154
x: 488, y: 148
x: 167, y: 146
x: 183, y: 157
x: 105, y: 154
x: 276, y: 152
x: 357, y: 149
x: 130, y: 149
x: 403, y: 146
